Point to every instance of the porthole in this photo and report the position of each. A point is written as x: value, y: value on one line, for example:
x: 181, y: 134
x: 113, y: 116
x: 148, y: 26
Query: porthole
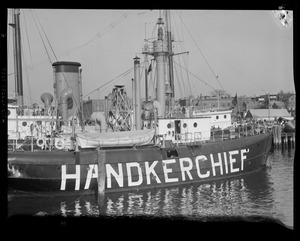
x: 8, y: 112
x: 195, y: 124
x: 184, y: 125
x: 217, y: 117
x: 225, y: 116
x: 24, y: 123
x: 169, y: 125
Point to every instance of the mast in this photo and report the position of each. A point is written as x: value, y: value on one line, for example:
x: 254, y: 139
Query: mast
x: 160, y: 53
x: 17, y: 56
x: 170, y: 54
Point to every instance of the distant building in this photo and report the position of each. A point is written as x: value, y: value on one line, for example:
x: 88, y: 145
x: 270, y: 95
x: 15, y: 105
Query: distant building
x: 291, y: 105
x: 263, y: 98
x: 277, y: 104
x: 267, y: 114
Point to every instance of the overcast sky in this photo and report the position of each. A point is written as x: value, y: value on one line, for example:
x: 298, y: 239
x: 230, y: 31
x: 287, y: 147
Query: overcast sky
x: 250, y: 51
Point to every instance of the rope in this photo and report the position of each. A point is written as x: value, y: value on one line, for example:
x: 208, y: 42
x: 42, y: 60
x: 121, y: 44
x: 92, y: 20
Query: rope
x: 24, y: 59
x: 216, y: 77
x: 196, y: 76
x: 41, y: 37
x: 101, y: 33
x: 124, y: 73
x: 77, y: 104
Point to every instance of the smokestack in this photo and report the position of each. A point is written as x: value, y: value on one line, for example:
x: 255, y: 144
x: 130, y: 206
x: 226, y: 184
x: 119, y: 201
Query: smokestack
x: 68, y: 74
x: 137, y: 91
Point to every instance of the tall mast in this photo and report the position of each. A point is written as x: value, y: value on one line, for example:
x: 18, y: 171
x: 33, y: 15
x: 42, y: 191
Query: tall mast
x: 170, y: 53
x: 17, y: 56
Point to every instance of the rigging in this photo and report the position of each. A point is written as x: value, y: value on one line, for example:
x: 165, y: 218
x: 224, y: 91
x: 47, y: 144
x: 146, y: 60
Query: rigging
x: 216, y: 76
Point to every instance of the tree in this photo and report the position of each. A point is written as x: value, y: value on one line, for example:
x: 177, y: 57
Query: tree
x: 284, y: 97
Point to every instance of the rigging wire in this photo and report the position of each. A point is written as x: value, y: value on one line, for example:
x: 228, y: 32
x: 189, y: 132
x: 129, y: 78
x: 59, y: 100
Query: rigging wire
x: 28, y: 42
x: 47, y: 38
x: 196, y: 76
x: 101, y: 33
x: 49, y: 58
x: 64, y: 77
x: 26, y: 73
x: 185, y: 64
x: 121, y: 75
x: 216, y: 76
x: 24, y: 59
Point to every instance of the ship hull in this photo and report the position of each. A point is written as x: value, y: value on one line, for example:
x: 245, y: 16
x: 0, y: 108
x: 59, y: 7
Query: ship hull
x: 123, y: 169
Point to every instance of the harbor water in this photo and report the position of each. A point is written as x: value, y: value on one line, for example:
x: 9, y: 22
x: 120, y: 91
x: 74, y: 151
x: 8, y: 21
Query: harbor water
x: 265, y: 193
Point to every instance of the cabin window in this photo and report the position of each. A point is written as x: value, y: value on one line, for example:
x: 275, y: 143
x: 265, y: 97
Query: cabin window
x: 225, y: 116
x: 169, y: 125
x: 24, y: 123
x: 172, y: 153
x: 184, y: 125
x: 195, y: 124
x: 8, y: 112
x: 217, y: 117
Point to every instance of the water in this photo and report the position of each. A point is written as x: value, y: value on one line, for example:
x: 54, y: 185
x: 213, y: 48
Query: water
x: 266, y: 193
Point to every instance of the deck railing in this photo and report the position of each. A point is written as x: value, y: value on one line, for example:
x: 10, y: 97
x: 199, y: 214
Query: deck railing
x: 188, y: 138
x: 30, y: 143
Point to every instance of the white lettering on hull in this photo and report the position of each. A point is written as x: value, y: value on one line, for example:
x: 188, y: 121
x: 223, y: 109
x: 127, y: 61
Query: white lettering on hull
x: 118, y: 176
x: 150, y: 170
x: 65, y: 176
x: 186, y: 169
x: 129, y: 166
x: 168, y: 170
x: 91, y: 174
x: 216, y: 164
x: 171, y: 170
x: 233, y: 160
x: 197, y: 159
x: 243, y: 157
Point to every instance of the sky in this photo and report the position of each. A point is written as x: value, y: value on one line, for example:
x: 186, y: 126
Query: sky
x: 250, y: 51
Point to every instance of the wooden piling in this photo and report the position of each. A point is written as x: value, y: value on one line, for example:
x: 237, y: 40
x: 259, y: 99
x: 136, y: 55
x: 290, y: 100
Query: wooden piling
x: 279, y: 133
x: 101, y: 177
x: 293, y: 140
x: 275, y: 141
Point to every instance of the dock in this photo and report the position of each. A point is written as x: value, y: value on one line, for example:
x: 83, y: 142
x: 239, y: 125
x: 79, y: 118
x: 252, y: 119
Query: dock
x: 283, y: 139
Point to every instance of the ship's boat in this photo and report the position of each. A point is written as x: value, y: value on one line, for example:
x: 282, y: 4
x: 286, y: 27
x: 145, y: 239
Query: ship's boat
x: 115, y: 139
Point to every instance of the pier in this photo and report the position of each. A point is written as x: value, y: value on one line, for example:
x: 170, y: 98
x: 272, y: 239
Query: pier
x: 283, y: 139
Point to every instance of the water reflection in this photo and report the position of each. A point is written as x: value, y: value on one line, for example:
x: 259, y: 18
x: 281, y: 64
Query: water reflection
x: 249, y: 195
